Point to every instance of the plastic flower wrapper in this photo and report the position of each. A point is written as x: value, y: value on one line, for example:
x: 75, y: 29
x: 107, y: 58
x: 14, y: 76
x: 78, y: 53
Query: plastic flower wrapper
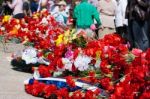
x: 67, y: 64
x: 30, y: 55
x: 68, y: 60
x: 43, y: 60
x: 82, y: 62
x: 97, y: 64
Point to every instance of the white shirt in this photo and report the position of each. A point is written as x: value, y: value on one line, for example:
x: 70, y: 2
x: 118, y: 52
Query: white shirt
x: 120, y: 13
x: 17, y: 6
x: 55, y: 11
x: 59, y: 16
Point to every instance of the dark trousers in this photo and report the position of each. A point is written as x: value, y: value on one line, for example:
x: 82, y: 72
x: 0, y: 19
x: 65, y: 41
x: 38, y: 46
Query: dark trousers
x: 149, y: 30
x: 122, y: 31
x: 138, y: 34
x: 19, y: 16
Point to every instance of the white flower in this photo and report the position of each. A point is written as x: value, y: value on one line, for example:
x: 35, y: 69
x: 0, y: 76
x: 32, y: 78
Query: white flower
x: 67, y: 64
x: 3, y: 28
x: 37, y: 31
x: 44, y: 21
x: 82, y: 62
x: 29, y: 55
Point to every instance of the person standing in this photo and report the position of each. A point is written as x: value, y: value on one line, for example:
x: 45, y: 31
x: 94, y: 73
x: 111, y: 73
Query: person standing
x: 51, y: 6
x: 137, y: 15
x: 107, y: 9
x: 42, y: 4
x: 26, y: 8
x: 120, y: 21
x: 34, y: 6
x: 17, y: 6
x: 5, y: 9
x: 61, y: 15
x: 94, y: 2
x: 149, y: 18
x: 84, y: 15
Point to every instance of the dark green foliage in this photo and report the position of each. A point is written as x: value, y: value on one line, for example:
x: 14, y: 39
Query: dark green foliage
x: 80, y: 42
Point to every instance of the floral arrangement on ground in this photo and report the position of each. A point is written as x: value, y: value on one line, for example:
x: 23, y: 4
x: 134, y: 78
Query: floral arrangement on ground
x: 67, y: 65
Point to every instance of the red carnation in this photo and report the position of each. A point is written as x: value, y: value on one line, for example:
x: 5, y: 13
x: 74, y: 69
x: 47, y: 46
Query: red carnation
x: 44, y: 71
x: 77, y: 95
x: 49, y: 89
x: 70, y: 81
x: 92, y: 76
x: 107, y: 84
x: 28, y: 88
x: 60, y: 63
x: 62, y: 93
x: 90, y: 95
x: 37, y: 88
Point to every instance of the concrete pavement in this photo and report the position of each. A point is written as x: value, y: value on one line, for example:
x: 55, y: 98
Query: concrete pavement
x: 11, y: 81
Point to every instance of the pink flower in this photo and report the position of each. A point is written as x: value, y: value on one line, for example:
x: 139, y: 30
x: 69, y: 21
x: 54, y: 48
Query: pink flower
x: 137, y: 52
x: 93, y: 27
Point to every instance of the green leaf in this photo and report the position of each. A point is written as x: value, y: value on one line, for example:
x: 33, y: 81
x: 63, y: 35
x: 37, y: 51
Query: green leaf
x: 1, y: 38
x: 29, y: 44
x: 80, y: 42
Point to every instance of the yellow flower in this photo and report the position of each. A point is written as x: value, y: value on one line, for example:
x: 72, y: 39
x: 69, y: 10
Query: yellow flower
x: 66, y: 36
x: 36, y: 15
x: 6, y: 18
x: 14, y: 31
x: 59, y: 40
x: 73, y: 34
x: 98, y: 54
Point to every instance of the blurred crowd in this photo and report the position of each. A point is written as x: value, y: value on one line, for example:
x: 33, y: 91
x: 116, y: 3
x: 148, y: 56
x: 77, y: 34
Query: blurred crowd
x: 129, y: 18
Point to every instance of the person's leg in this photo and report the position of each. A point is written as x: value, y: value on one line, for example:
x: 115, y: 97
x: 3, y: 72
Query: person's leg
x: 119, y: 30
x: 105, y: 31
x: 19, y: 16
x: 140, y: 30
x: 146, y: 32
x: 124, y: 32
x: 102, y: 33
x: 90, y: 34
x: 129, y: 35
x: 149, y: 30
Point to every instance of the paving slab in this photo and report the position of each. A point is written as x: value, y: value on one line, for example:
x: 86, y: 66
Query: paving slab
x: 11, y: 81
